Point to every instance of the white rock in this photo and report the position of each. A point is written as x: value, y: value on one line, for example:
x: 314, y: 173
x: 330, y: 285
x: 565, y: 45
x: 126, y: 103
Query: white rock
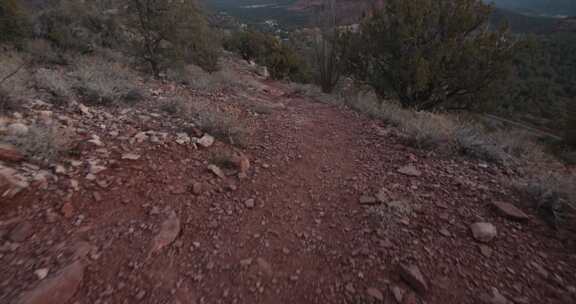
x: 483, y: 232
x: 18, y: 129
x: 96, y: 141
x: 205, y: 141
x: 84, y: 110
x: 183, y: 138
x: 41, y: 273
x: 140, y: 137
x: 131, y: 156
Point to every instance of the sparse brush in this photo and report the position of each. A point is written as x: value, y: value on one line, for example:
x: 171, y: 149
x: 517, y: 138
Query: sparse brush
x: 14, y: 79
x: 473, y: 143
x: 224, y: 126
x: 41, y: 143
x: 223, y: 159
x: 427, y: 130
x: 7, y: 103
x: 198, y: 79
x: 176, y: 105
x: 54, y: 83
x: 42, y: 52
x: 102, y: 82
x: 554, y: 196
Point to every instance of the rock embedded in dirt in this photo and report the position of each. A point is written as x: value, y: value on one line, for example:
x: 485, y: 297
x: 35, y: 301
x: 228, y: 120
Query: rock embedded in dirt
x: 58, y: 289
x: 183, y: 139
x: 206, y: 141
x: 169, y: 231
x: 197, y: 188
x: 10, y: 153
x: 241, y: 162
x: 216, y: 171
x: 95, y: 140
x: 384, y: 196
x: 368, y: 200
x: 11, y: 183
x: 398, y: 293
x: 510, y: 211
x: 409, y: 171
x: 483, y: 232
x: 131, y: 156
x: 41, y: 273
x: 413, y: 276
x: 410, y: 298
x: 265, y: 266
x: 21, y: 232
x: 67, y: 210
x: 485, y: 250
x: 375, y: 293
x: 250, y: 203
x: 496, y: 297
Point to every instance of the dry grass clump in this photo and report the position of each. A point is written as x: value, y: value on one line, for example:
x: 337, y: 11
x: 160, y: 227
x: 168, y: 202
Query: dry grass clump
x: 41, y: 143
x: 175, y: 106
x: 449, y: 133
x: 14, y: 81
x: 54, y: 83
x: 196, y: 78
x: 223, y: 125
x: 102, y: 82
x: 554, y: 196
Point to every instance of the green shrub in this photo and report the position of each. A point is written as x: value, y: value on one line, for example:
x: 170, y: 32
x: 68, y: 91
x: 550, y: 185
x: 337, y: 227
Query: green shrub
x: 14, y: 23
x: 428, y: 52
x: 282, y: 61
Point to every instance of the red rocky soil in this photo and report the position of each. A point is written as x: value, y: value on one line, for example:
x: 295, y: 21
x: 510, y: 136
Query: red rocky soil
x: 333, y: 208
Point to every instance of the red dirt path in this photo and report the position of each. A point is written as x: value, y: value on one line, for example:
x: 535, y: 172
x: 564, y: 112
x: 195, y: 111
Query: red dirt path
x: 306, y: 240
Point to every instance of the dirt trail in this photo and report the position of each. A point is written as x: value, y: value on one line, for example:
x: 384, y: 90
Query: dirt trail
x: 293, y: 230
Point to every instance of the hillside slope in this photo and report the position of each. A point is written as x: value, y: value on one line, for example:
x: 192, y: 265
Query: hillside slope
x: 322, y: 205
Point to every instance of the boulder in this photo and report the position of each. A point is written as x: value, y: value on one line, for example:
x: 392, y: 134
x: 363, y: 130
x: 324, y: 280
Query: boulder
x: 483, y: 232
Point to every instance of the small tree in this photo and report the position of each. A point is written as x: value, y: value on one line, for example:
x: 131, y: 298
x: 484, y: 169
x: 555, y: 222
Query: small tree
x: 13, y: 21
x: 428, y: 52
x: 166, y: 31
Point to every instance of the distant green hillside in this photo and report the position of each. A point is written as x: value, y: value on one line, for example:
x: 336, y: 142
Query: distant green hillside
x: 525, y: 24
x: 539, y: 7
x: 255, y: 11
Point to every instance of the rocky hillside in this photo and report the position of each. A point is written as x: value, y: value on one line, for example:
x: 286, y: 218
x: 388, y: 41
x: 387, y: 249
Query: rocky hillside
x: 168, y: 201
